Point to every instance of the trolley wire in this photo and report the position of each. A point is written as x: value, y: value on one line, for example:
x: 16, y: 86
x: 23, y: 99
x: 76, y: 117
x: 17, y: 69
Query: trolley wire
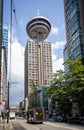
x: 17, y: 27
x: 14, y: 11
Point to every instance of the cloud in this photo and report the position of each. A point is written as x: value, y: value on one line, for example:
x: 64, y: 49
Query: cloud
x: 57, y: 59
x: 58, y: 44
x: 16, y: 72
x: 54, y: 30
x: 17, y: 57
x: 57, y: 63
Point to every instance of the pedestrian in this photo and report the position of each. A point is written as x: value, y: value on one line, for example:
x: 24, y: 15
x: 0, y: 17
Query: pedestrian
x: 46, y: 115
x: 0, y: 118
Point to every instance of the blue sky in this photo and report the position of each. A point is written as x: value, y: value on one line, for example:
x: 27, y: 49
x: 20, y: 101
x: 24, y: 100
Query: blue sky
x: 25, y: 10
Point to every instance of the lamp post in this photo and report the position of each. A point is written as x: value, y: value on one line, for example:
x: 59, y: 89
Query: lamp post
x: 1, y: 26
x: 8, y: 105
x: 10, y: 57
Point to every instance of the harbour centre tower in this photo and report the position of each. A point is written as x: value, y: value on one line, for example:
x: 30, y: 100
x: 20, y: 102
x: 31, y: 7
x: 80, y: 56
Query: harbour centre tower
x: 38, y: 54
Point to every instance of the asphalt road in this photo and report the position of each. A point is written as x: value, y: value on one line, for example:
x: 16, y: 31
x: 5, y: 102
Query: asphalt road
x: 21, y: 124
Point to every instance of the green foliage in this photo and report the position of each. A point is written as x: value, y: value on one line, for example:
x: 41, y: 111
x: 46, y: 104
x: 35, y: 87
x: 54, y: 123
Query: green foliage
x: 19, y: 113
x: 75, y: 76
x: 57, y: 91
x: 75, y: 81
x: 56, y: 81
x: 33, y: 96
x: 69, y: 86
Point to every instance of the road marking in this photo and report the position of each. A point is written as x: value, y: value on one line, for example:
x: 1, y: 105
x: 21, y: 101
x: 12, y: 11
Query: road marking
x: 61, y: 126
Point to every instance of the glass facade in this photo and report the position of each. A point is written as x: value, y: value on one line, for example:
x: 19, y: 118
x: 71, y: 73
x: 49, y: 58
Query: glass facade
x: 5, y: 38
x: 74, y: 31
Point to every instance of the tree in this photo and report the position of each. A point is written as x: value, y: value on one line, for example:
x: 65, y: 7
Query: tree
x: 69, y: 88
x: 75, y: 81
x: 55, y: 83
x: 57, y: 91
x: 33, y: 96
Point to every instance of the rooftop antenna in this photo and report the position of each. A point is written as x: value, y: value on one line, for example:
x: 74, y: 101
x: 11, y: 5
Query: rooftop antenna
x: 38, y: 12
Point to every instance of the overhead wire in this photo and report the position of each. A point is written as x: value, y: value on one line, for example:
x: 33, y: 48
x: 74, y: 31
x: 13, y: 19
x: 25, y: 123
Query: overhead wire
x: 14, y: 11
x: 10, y: 41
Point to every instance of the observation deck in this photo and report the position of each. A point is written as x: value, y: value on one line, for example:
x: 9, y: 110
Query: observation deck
x: 38, y: 28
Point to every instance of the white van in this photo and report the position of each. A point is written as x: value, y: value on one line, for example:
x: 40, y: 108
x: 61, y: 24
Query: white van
x: 12, y: 115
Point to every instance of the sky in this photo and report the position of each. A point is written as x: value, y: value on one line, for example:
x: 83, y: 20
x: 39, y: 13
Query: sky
x: 25, y: 10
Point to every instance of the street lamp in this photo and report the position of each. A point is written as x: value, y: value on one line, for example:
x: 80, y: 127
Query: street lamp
x: 8, y: 106
x: 10, y: 57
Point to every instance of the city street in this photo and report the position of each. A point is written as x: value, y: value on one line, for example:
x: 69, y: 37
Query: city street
x: 21, y: 124
x: 42, y: 65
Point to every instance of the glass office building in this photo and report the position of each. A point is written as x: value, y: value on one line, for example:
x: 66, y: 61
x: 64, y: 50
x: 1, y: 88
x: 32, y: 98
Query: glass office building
x: 5, y: 38
x: 4, y: 56
x: 74, y: 22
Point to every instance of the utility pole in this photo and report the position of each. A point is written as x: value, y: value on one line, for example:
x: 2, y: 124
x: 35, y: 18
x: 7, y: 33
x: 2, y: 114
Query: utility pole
x: 8, y: 105
x: 1, y: 29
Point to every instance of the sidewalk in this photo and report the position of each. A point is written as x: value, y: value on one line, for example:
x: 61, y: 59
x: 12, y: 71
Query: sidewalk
x: 50, y: 119
x: 4, y: 125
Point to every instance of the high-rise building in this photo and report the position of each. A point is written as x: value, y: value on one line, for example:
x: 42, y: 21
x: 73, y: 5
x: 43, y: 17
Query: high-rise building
x: 38, y: 64
x: 3, y: 75
x: 1, y: 26
x: 4, y: 55
x: 5, y: 38
x: 38, y: 60
x: 74, y: 21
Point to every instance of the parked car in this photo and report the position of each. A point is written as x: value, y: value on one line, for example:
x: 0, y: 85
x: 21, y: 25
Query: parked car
x: 81, y: 120
x: 57, y: 117
x: 73, y: 119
